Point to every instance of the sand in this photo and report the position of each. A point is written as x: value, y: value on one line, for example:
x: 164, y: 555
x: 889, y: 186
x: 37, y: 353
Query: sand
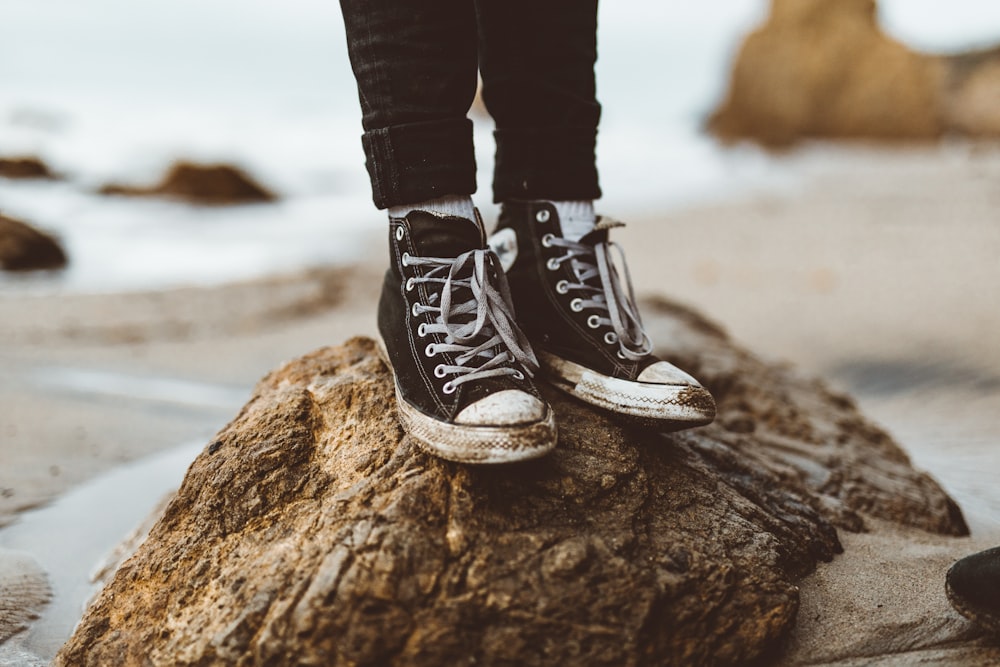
x: 877, y: 271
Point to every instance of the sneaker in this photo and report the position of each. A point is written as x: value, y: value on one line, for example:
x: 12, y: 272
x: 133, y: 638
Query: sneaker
x: 973, y: 587
x: 462, y: 367
x: 583, y: 322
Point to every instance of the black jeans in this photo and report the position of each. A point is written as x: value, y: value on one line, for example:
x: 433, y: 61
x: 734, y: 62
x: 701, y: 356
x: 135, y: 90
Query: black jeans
x: 415, y: 62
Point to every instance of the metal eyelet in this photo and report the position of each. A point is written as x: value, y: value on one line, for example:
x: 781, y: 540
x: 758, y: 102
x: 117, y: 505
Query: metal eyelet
x: 610, y: 338
x: 552, y: 264
x: 562, y: 287
x: 439, y: 371
x: 409, y: 284
x: 542, y: 216
x: 621, y: 356
x: 406, y: 259
x: 593, y: 321
x: 547, y: 240
x: 518, y: 375
x: 414, y: 311
x: 399, y: 233
x: 422, y: 330
x: 430, y: 350
x: 448, y: 387
x: 576, y: 305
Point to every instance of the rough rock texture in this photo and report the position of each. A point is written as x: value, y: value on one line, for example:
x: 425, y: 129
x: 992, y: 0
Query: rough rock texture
x: 24, y: 248
x: 24, y: 590
x: 200, y: 184
x: 24, y: 167
x: 311, y: 531
x: 818, y: 68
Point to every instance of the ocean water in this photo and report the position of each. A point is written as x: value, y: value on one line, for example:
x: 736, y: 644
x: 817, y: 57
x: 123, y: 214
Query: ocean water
x: 112, y: 90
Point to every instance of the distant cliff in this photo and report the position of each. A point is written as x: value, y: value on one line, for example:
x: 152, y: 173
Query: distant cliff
x: 821, y: 68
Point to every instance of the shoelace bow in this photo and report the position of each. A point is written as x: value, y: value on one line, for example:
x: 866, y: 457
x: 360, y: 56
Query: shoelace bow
x: 590, y: 261
x: 479, y: 328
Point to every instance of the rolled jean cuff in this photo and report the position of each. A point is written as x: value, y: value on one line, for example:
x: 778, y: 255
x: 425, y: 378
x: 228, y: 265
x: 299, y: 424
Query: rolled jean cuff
x: 420, y: 161
x: 546, y: 163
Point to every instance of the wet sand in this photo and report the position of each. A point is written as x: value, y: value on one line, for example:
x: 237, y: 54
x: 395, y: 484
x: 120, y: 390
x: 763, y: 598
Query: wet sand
x: 878, y: 272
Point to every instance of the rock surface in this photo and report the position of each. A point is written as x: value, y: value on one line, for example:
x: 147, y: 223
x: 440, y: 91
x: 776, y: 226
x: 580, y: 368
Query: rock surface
x: 972, y: 102
x: 24, y: 248
x: 311, y: 531
x: 24, y: 590
x: 825, y: 69
x: 24, y: 167
x: 217, y: 184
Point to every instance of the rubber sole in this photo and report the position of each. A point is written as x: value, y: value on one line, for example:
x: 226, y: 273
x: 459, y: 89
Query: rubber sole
x: 673, y: 407
x: 484, y: 445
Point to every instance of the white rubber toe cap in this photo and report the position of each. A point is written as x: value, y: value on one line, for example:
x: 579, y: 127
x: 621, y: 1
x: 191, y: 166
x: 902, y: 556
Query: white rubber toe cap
x: 504, y: 408
x: 663, y: 372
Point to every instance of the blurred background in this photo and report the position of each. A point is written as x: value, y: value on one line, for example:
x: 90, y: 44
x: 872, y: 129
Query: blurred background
x: 115, y: 91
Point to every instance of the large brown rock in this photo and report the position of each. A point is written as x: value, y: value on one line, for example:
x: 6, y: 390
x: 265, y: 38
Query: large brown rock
x: 24, y: 248
x: 824, y: 68
x: 972, y: 102
x: 217, y: 184
x: 311, y: 531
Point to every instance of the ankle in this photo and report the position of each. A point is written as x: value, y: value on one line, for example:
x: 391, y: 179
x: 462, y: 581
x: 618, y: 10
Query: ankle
x: 459, y: 206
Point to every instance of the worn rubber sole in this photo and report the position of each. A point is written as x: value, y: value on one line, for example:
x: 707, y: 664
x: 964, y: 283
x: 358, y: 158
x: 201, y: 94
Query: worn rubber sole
x: 485, y: 445
x: 670, y: 407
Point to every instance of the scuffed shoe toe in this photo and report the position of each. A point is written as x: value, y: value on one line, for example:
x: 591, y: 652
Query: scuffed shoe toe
x: 664, y: 372
x: 504, y: 408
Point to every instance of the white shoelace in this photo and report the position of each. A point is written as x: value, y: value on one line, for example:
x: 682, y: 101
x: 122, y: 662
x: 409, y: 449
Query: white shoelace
x: 481, y: 328
x: 616, y: 304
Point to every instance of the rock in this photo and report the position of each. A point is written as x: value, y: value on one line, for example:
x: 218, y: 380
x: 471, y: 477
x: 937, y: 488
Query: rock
x: 311, y: 531
x: 972, y: 102
x: 24, y: 167
x: 200, y: 184
x: 818, y: 68
x: 24, y: 248
x: 24, y: 591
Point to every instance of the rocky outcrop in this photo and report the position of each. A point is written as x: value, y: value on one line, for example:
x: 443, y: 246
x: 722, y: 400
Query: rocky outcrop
x: 24, y: 168
x: 216, y: 184
x: 972, y: 100
x: 311, y: 531
x: 24, y: 248
x: 825, y: 69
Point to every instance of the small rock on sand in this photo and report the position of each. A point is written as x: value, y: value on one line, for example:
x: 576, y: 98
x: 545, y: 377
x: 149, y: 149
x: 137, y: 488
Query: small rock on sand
x: 24, y: 167
x: 24, y: 248
x: 24, y: 590
x: 217, y: 184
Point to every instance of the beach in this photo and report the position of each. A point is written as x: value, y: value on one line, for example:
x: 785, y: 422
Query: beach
x: 872, y: 268
x: 875, y: 271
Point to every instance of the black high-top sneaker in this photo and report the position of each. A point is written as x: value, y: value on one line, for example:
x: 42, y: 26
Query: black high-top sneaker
x: 583, y: 321
x: 462, y: 367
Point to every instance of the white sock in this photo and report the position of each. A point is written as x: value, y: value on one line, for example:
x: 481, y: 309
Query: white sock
x: 452, y: 205
x: 577, y: 218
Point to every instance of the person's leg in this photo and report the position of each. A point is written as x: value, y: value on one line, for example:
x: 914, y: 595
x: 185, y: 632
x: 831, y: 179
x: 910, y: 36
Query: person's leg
x: 537, y: 62
x: 462, y: 368
x: 415, y: 66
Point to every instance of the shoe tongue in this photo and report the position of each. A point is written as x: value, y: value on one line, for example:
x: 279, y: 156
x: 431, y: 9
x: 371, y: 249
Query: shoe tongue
x: 444, y: 236
x: 595, y: 236
x: 599, y: 234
